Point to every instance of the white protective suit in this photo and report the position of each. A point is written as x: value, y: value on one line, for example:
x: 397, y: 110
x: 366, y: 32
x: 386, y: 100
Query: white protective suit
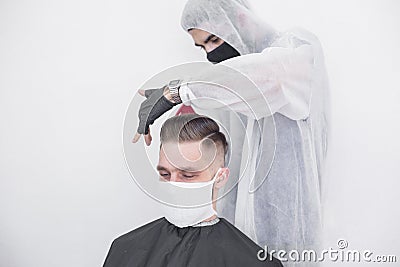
x: 288, y: 144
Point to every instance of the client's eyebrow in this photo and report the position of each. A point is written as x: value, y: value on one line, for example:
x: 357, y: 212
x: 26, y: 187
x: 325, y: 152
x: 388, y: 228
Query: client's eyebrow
x: 206, y: 40
x: 184, y: 169
x: 161, y: 168
x: 189, y: 169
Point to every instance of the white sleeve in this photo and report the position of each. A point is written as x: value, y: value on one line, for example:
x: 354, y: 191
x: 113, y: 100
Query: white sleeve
x: 186, y: 94
x: 276, y: 80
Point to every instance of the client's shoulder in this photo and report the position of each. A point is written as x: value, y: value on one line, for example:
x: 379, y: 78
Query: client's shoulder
x: 144, y: 230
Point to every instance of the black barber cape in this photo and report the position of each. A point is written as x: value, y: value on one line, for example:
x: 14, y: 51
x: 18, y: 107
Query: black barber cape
x: 161, y: 244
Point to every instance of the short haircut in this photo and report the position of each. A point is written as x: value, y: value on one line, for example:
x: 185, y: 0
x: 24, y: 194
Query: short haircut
x: 192, y: 128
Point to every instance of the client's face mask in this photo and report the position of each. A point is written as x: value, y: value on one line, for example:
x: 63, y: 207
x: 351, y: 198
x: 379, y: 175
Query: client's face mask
x: 222, y: 52
x: 192, y: 202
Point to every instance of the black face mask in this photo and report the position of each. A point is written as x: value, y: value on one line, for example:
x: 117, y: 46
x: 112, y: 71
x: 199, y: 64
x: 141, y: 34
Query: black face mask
x: 221, y: 53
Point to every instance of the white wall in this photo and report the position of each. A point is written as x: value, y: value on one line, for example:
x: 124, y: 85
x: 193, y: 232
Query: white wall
x: 68, y: 70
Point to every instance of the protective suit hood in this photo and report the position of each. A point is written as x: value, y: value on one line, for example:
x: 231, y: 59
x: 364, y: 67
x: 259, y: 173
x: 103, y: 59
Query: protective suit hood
x: 231, y: 20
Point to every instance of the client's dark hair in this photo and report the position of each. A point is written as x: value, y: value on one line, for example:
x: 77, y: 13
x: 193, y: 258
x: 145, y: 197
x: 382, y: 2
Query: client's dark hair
x: 192, y: 127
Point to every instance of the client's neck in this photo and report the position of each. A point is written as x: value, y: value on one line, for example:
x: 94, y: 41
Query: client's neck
x: 210, y: 219
x: 214, y: 199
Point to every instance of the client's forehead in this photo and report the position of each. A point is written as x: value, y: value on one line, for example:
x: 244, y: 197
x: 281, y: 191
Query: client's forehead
x: 191, y: 156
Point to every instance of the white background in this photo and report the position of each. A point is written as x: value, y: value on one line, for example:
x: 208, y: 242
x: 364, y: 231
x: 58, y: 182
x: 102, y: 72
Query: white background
x: 68, y: 70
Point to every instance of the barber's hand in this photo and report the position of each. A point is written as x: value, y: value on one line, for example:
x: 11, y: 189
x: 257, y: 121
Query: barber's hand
x: 151, y: 109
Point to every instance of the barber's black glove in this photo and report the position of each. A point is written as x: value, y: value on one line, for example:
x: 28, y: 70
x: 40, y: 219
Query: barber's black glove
x: 152, y: 108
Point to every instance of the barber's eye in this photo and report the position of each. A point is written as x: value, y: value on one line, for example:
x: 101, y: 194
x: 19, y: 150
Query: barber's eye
x: 164, y: 174
x: 215, y: 40
x: 187, y: 176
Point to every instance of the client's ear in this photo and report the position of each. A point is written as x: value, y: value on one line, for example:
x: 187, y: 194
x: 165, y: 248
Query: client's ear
x: 222, y: 178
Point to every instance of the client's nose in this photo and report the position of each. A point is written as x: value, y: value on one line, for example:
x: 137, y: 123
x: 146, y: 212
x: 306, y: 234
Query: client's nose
x: 174, y: 178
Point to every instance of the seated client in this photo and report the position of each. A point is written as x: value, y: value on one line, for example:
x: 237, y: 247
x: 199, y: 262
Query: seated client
x: 191, y: 169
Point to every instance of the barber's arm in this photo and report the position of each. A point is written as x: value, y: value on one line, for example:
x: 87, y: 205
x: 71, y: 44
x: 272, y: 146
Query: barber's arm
x: 276, y: 80
x: 256, y: 85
